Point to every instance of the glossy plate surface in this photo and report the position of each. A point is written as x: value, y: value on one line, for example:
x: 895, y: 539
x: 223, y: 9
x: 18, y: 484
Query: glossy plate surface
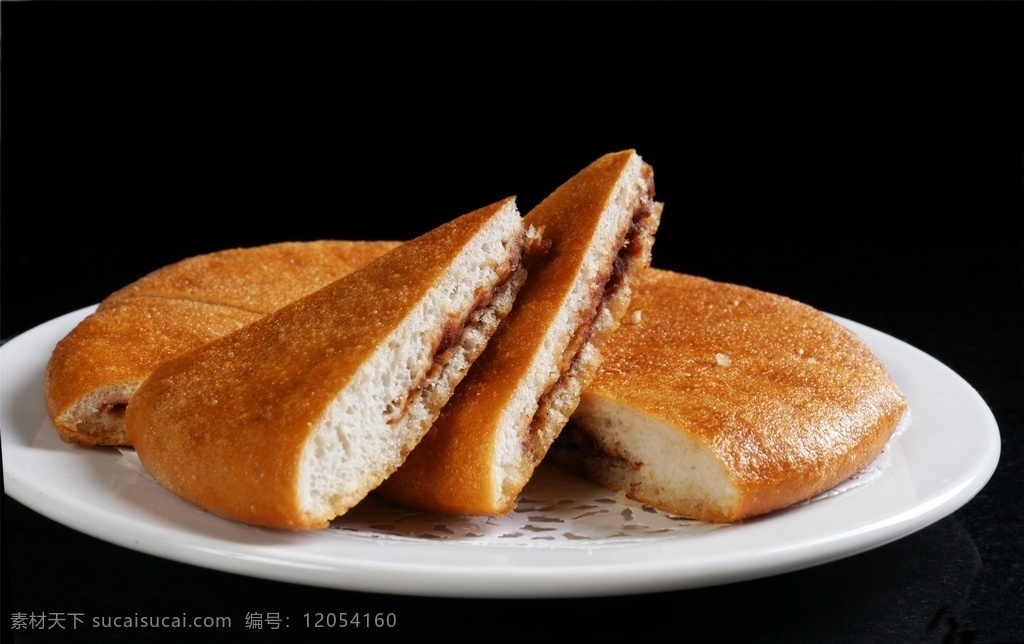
x: 568, y: 538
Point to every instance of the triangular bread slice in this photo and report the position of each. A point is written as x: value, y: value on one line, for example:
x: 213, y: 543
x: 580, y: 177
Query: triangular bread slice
x: 483, y: 449
x: 96, y: 367
x: 291, y: 420
x: 722, y: 402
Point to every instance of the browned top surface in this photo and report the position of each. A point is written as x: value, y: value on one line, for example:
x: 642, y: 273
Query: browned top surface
x: 259, y: 279
x: 223, y: 425
x: 129, y: 339
x: 447, y: 467
x: 183, y: 306
x: 786, y: 397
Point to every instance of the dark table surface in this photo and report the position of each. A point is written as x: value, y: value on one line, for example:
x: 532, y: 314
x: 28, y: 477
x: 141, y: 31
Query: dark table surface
x: 866, y: 161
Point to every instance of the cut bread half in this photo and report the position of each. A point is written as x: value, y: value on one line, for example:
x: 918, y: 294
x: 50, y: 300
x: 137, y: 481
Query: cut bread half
x: 291, y: 420
x: 721, y: 402
x: 599, y: 227
x: 96, y: 367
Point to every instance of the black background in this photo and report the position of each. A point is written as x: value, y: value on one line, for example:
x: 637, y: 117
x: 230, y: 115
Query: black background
x: 863, y: 158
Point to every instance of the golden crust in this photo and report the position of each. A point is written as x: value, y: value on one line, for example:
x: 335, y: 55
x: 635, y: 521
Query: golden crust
x: 451, y: 470
x: 173, y: 309
x: 225, y: 425
x: 94, y: 368
x: 259, y: 279
x: 790, y: 402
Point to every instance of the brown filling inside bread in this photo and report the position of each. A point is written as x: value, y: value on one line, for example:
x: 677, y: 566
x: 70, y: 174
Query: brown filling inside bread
x: 455, y: 334
x: 578, y: 363
x: 578, y: 448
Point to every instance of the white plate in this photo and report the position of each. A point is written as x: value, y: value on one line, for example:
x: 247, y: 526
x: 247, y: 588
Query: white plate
x: 567, y: 539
